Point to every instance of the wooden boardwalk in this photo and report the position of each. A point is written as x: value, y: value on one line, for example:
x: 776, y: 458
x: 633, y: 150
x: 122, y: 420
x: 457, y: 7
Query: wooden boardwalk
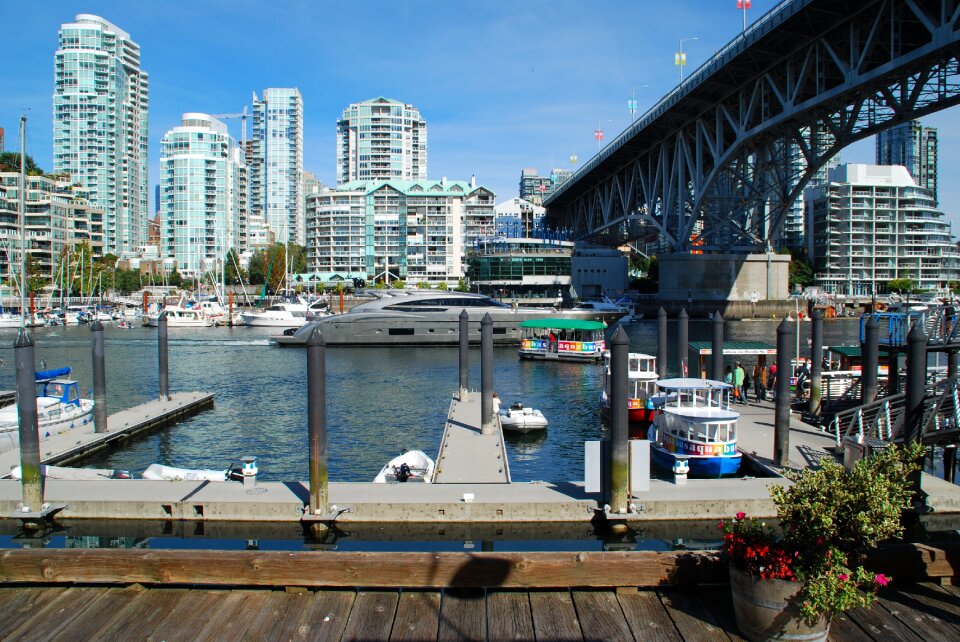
x: 908, y: 613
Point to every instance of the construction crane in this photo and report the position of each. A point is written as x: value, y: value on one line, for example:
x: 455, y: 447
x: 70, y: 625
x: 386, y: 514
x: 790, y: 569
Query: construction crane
x: 243, y: 123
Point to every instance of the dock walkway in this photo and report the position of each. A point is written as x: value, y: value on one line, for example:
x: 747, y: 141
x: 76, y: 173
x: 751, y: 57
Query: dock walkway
x: 466, y: 455
x: 75, y: 443
x: 910, y: 613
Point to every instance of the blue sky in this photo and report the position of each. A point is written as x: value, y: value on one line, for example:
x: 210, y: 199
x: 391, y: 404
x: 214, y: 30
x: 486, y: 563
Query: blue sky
x: 503, y: 84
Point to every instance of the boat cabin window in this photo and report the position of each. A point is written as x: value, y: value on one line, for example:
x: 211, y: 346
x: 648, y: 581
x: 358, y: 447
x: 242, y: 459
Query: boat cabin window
x: 400, y: 331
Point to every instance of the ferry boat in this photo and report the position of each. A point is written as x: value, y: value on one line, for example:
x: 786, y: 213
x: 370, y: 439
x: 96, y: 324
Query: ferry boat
x: 697, y: 425
x: 559, y: 339
x: 641, y: 389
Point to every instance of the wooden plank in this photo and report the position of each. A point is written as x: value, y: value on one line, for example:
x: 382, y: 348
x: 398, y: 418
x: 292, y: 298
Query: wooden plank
x: 24, y: 605
x: 462, y: 616
x: 882, y: 624
x: 845, y: 629
x: 87, y: 625
x: 720, y: 603
x: 913, y: 614
x: 278, y: 616
x: 371, y: 617
x: 185, y: 620
x: 693, y: 619
x: 143, y: 613
x: 601, y: 617
x: 418, y: 617
x: 648, y: 618
x: 42, y: 623
x: 325, y: 617
x: 931, y: 601
x: 509, y: 616
x: 915, y: 562
x: 231, y: 618
x: 554, y: 616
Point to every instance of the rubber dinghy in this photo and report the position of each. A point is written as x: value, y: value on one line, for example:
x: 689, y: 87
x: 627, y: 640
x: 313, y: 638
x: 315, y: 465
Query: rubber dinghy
x: 519, y: 418
x: 409, y: 466
x: 169, y: 473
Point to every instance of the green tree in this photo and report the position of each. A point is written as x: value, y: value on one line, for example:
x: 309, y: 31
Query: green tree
x: 462, y: 286
x: 231, y: 275
x: 298, y: 257
x: 36, y: 279
x: 424, y: 285
x: 905, y: 286
x: 397, y: 284
x: 10, y: 162
x: 174, y: 279
x: 442, y: 286
x: 649, y: 284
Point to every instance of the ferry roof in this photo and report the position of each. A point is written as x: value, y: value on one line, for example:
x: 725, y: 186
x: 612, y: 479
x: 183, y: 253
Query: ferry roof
x: 691, y: 383
x: 549, y: 323
x: 734, y: 347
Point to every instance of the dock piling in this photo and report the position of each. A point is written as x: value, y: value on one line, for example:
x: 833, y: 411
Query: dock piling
x: 163, y: 356
x: 317, y: 421
x: 662, y: 343
x: 618, y: 492
x: 487, y: 426
x: 683, y: 340
x: 717, y: 348
x: 951, y: 364
x: 871, y: 360
x: 781, y: 430
x: 99, y: 378
x: 31, y: 476
x: 230, y: 309
x: 915, y: 392
x: 464, y: 343
x: 893, y: 371
x: 816, y: 361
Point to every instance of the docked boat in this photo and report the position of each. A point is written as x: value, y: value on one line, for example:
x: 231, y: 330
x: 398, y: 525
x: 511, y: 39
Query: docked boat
x: 641, y: 389
x: 409, y: 466
x: 179, y: 316
x: 561, y: 339
x: 696, y: 425
x: 607, y: 310
x: 169, y: 473
x: 75, y: 474
x: 288, y: 314
x: 519, y: 418
x: 59, y: 408
x: 423, y: 317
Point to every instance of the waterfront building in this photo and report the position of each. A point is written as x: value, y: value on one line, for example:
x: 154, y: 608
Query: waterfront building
x: 276, y: 163
x: 598, y: 271
x: 203, y: 195
x: 915, y: 147
x: 381, y: 139
x: 100, y: 102
x: 417, y: 231
x: 518, y: 218
x: 872, y: 224
x: 535, y: 188
x: 532, y: 271
x: 58, y: 216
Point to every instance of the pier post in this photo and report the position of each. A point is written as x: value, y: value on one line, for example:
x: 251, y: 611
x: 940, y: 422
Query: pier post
x: 781, y: 430
x: 893, y: 371
x: 487, y: 425
x: 915, y: 389
x: 816, y: 361
x: 683, y: 340
x: 230, y: 310
x: 163, y: 356
x: 317, y: 420
x: 951, y: 364
x: 662, y: 343
x: 950, y: 454
x: 99, y: 379
x: 717, y: 348
x: 146, y: 301
x: 618, y: 493
x: 871, y: 360
x: 31, y: 477
x: 464, y: 342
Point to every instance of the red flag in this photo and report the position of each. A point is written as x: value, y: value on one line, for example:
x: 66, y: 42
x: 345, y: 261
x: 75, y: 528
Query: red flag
x: 743, y: 4
x: 542, y: 188
x: 598, y: 134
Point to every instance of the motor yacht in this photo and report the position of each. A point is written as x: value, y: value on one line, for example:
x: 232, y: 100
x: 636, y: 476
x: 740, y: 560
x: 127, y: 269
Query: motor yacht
x: 279, y: 315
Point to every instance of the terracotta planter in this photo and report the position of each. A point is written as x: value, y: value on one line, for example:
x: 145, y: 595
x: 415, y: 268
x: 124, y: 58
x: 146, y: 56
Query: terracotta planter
x: 770, y: 610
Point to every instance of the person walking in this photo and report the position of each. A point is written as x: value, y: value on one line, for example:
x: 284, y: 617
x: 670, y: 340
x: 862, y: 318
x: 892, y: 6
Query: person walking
x: 760, y: 382
x: 772, y: 381
x: 739, y: 374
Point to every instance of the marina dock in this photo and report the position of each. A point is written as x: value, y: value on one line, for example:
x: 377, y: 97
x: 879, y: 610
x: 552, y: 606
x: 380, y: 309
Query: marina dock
x: 466, y: 455
x: 76, y: 443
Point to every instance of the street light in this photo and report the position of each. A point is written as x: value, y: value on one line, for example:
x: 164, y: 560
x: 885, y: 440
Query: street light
x: 680, y: 58
x: 632, y: 103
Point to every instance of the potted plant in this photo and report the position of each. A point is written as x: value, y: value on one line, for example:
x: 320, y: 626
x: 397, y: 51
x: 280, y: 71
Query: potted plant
x: 788, y: 584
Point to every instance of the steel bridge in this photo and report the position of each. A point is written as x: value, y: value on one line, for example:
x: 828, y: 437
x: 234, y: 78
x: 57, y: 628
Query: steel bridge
x: 726, y: 153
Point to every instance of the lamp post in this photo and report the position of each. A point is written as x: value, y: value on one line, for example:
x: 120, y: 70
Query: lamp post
x: 680, y: 58
x: 744, y: 5
x: 632, y: 103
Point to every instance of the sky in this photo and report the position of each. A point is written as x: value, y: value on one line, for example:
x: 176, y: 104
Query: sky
x: 502, y: 84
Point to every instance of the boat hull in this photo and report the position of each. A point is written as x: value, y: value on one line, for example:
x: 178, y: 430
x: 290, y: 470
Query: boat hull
x: 640, y: 420
x: 708, y: 467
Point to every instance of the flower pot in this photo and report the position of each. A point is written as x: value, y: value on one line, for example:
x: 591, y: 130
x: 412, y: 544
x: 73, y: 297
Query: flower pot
x: 770, y: 610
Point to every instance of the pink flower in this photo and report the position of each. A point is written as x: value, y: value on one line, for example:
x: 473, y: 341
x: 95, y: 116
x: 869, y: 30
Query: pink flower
x: 741, y: 515
x: 881, y: 579
x: 843, y: 577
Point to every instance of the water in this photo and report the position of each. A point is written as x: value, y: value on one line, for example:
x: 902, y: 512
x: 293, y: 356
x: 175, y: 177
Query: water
x: 380, y: 400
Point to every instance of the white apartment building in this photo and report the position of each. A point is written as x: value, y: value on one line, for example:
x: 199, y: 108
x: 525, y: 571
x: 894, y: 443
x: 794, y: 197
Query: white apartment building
x: 202, y: 194
x: 871, y: 224
x: 418, y: 231
x: 100, y: 102
x: 381, y: 139
x: 276, y: 164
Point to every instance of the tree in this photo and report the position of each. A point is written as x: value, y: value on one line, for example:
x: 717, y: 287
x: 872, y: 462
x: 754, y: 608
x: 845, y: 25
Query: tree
x: 36, y: 280
x: 900, y: 285
x: 462, y: 285
x: 298, y: 258
x: 230, y: 274
x: 650, y: 283
x: 442, y: 286
x: 10, y: 162
x: 174, y: 279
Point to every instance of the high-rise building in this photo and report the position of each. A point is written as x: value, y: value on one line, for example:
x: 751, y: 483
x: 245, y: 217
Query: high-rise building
x: 871, y: 224
x: 203, y: 195
x: 275, y: 158
x: 100, y: 101
x: 535, y: 188
x: 381, y: 139
x: 915, y: 147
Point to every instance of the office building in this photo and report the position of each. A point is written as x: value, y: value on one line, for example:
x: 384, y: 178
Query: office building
x: 275, y: 160
x: 872, y: 224
x: 535, y: 188
x: 100, y: 105
x: 418, y: 231
x: 203, y: 195
x: 915, y: 147
x: 381, y: 139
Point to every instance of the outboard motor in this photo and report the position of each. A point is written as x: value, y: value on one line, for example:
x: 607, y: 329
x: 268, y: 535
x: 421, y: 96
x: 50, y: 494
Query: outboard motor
x: 402, y: 473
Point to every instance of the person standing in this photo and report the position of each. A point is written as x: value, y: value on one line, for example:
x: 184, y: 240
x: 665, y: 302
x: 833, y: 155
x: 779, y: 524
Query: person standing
x: 760, y: 382
x: 739, y: 374
x: 772, y: 381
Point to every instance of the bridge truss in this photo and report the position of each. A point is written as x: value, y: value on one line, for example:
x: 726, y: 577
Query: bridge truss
x: 726, y: 154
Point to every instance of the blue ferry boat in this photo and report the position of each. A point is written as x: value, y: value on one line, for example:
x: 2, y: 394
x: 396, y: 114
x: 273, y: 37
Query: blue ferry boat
x: 695, y: 425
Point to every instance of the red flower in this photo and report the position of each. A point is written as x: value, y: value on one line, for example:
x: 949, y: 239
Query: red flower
x: 741, y: 515
x: 843, y: 577
x: 881, y: 579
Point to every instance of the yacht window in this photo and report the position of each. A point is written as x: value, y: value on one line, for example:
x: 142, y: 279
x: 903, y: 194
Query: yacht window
x: 400, y: 331
x: 72, y: 393
x: 298, y: 313
x: 499, y: 330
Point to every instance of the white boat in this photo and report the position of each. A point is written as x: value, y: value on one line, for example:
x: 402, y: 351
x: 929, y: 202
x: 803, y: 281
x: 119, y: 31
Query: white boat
x: 519, y: 418
x: 641, y: 388
x: 217, y: 314
x: 74, y: 474
x: 278, y: 315
x: 409, y: 466
x: 179, y: 316
x: 169, y: 473
x: 605, y: 309
x: 59, y: 408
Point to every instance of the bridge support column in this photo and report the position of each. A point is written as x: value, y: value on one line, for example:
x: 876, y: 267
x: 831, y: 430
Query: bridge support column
x: 913, y: 412
x: 781, y: 421
x: 871, y: 360
x: 816, y: 362
x: 683, y: 341
x: 717, y: 348
x: 662, y: 343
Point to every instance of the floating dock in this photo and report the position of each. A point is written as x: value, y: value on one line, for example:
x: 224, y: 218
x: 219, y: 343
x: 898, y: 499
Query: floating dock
x: 76, y: 443
x: 467, y: 456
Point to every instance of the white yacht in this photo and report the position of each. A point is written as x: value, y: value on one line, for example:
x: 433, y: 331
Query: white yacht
x: 179, y: 316
x: 59, y: 408
x: 278, y: 315
x: 422, y: 317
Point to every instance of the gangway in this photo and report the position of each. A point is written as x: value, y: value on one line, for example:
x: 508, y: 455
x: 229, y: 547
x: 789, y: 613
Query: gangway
x: 940, y: 325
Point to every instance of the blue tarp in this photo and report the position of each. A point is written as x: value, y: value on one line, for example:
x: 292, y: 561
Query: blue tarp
x: 44, y: 375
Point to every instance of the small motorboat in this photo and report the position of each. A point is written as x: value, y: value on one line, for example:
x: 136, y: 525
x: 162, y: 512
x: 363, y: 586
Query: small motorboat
x: 519, y: 418
x: 169, y: 473
x: 75, y: 474
x: 408, y: 466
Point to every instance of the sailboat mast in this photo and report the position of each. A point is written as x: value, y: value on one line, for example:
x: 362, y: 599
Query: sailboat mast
x: 23, y: 227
